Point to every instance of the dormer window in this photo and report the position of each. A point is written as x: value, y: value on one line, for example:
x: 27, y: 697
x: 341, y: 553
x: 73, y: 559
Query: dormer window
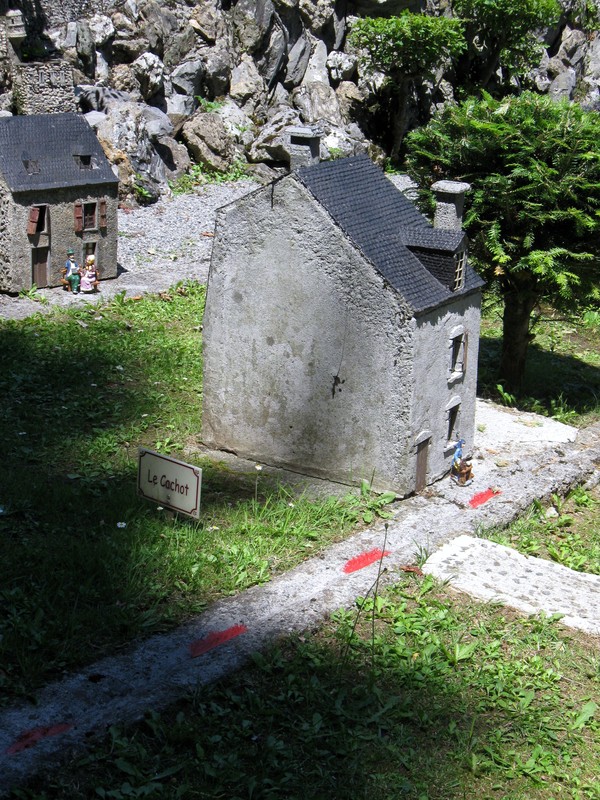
x: 31, y: 167
x: 460, y: 262
x: 84, y: 162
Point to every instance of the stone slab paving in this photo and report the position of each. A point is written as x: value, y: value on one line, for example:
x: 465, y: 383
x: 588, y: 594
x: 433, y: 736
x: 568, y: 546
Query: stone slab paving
x: 489, y: 571
x: 521, y: 457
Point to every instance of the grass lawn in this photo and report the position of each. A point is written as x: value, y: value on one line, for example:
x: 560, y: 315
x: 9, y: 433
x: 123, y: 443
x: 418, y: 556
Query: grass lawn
x: 86, y: 565
x: 417, y: 693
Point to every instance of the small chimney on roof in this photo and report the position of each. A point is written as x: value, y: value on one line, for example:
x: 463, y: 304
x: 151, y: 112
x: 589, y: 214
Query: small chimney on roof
x: 15, y: 27
x: 449, y: 198
x: 304, y: 144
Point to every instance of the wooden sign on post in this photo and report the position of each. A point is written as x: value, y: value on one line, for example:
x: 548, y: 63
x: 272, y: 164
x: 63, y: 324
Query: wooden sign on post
x: 170, y: 483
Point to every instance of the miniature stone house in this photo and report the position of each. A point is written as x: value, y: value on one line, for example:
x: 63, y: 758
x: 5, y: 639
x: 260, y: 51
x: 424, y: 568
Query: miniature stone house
x: 57, y: 191
x: 341, y: 329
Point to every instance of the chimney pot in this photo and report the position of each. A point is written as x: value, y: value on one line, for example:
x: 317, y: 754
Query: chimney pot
x: 304, y: 144
x: 450, y: 198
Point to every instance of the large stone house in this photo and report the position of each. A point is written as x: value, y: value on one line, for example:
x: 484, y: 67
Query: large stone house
x: 341, y: 329
x: 57, y: 191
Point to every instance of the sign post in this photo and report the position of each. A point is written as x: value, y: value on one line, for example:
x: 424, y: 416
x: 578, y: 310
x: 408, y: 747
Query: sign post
x: 170, y: 483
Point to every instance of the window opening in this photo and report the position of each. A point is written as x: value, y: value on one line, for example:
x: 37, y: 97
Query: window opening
x: 31, y: 167
x: 460, y: 261
x: 84, y: 162
x: 89, y: 249
x: 42, y: 219
x: 453, y: 421
x: 458, y: 353
x: 89, y: 216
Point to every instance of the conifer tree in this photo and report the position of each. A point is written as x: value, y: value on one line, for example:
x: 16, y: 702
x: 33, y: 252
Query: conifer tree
x: 533, y: 215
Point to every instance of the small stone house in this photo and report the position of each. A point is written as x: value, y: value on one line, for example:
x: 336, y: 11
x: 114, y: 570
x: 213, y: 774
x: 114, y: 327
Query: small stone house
x: 57, y: 191
x: 341, y: 329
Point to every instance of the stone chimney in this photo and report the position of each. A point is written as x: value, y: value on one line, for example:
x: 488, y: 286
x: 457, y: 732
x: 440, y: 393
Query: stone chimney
x: 449, y: 198
x: 15, y: 27
x: 304, y: 144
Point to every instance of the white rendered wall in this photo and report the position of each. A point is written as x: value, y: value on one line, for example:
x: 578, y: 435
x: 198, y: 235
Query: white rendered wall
x: 437, y: 387
x: 307, y: 350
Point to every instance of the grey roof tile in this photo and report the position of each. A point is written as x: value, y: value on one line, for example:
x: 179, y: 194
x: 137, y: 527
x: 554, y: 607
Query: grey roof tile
x: 40, y: 151
x: 381, y: 222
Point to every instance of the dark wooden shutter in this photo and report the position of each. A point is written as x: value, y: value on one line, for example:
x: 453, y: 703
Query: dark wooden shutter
x: 102, y: 212
x: 465, y: 350
x: 78, y: 217
x: 34, y: 215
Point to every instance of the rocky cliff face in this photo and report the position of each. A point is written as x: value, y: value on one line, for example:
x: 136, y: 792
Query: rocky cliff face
x: 218, y: 81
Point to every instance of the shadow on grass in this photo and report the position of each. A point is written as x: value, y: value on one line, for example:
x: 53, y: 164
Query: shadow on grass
x: 556, y: 382
x: 85, y: 564
x: 448, y: 699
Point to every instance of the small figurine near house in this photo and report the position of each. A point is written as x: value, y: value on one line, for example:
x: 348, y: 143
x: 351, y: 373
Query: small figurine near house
x: 71, y: 273
x: 462, y: 468
x: 89, y: 276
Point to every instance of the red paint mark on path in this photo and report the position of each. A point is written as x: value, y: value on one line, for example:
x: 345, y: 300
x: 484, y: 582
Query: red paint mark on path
x: 215, y: 639
x: 365, y: 560
x: 481, y: 498
x: 29, y: 738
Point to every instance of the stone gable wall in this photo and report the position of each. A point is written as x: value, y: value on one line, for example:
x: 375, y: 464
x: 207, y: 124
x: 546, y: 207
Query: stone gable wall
x: 437, y: 387
x: 43, y: 87
x: 321, y: 362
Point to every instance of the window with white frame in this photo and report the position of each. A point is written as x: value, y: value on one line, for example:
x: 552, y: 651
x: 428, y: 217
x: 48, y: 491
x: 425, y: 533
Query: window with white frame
x: 458, y: 353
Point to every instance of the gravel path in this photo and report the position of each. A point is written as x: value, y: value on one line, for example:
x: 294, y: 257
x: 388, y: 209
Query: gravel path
x: 159, y: 245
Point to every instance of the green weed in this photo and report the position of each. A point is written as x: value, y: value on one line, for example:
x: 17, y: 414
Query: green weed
x: 33, y: 294
x: 197, y: 176
x: 568, y: 535
x: 436, y: 697
x: 209, y: 106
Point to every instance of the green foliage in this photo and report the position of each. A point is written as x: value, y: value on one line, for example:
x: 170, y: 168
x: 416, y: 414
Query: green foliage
x: 33, y: 294
x: 141, y: 191
x: 197, y: 176
x: 410, y: 45
x: 368, y: 504
x: 501, y: 33
x: 565, y: 531
x: 208, y: 106
x: 533, y: 215
x: 440, y: 699
x: 584, y: 14
x: 534, y: 167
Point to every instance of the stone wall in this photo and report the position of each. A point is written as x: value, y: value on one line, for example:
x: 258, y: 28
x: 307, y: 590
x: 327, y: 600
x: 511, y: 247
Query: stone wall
x: 5, y: 260
x: 43, y: 87
x: 60, y: 233
x: 318, y: 375
x: 54, y: 13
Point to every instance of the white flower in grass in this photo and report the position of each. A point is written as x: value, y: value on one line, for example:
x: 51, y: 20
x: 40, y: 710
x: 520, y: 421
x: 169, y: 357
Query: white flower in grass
x: 121, y: 524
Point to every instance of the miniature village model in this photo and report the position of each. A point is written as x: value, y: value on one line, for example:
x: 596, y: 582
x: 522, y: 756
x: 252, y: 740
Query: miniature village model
x: 341, y: 329
x: 57, y: 193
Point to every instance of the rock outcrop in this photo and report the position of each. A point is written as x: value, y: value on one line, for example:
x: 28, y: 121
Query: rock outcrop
x: 217, y: 82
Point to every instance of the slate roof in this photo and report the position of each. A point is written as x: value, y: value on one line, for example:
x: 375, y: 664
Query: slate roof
x: 40, y: 151
x: 382, y: 223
